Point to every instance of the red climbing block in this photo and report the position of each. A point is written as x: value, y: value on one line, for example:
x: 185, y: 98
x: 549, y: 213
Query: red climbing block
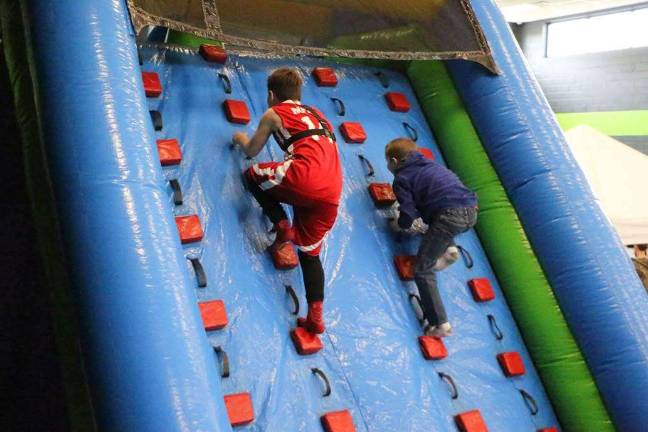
x: 426, y: 152
x: 511, y: 363
x: 325, y: 76
x: 284, y: 257
x: 353, y: 132
x: 239, y: 408
x: 305, y: 342
x: 338, y: 421
x: 152, y: 86
x: 405, y: 266
x: 481, y: 289
x: 548, y: 429
x: 470, y: 421
x: 169, y: 151
x: 236, y: 111
x: 397, y: 101
x: 382, y: 194
x: 213, y: 314
x: 213, y: 53
x: 189, y: 228
x: 432, y: 348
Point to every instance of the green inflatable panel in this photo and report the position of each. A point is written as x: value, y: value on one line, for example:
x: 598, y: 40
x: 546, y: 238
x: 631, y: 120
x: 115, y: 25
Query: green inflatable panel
x: 189, y: 40
x: 557, y: 358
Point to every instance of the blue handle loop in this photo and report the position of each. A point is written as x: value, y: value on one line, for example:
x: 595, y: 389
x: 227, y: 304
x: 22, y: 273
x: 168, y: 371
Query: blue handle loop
x: 227, y: 84
x: 467, y: 258
x: 340, y: 106
x: 177, y: 192
x: 224, y: 360
x: 293, y: 296
x: 383, y: 78
x: 370, y: 172
x: 454, y: 392
x: 411, y: 131
x: 327, y: 385
x: 201, y: 277
x: 530, y: 402
x: 499, y: 335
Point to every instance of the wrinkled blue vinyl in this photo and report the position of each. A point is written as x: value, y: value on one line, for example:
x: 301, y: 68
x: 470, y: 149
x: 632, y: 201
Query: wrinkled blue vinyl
x: 151, y: 366
x: 602, y: 299
x: 371, y: 353
x: 149, y: 362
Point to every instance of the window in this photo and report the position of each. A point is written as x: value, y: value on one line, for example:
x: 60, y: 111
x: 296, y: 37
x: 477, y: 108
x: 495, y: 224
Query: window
x: 609, y: 32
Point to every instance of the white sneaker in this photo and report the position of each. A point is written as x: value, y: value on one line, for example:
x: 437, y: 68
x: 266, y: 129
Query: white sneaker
x: 450, y: 256
x: 440, y: 331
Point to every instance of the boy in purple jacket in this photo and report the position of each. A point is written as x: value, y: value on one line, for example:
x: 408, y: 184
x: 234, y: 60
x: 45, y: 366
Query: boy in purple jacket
x: 428, y: 190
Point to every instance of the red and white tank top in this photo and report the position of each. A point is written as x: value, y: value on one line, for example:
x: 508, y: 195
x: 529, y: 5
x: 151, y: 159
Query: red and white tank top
x: 315, y: 167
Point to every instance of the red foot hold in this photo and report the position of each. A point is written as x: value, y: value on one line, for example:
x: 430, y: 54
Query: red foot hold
x: 432, y: 348
x: 236, y: 111
x: 353, y: 132
x: 169, y: 151
x: 511, y: 363
x: 305, y: 342
x: 397, y: 101
x: 405, y: 266
x: 284, y: 257
x: 426, y: 152
x: 325, y: 76
x: 382, y: 194
x: 213, y: 314
x: 189, y: 228
x: 481, y: 289
x: 239, y: 409
x: 152, y: 86
x: 548, y: 429
x: 338, y: 421
x: 470, y: 421
x: 213, y: 53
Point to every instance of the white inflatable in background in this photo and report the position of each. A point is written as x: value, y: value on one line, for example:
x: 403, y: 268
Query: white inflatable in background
x: 618, y: 175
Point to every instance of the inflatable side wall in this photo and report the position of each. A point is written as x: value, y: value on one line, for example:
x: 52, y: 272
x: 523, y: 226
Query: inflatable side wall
x: 599, y: 292
x: 148, y: 358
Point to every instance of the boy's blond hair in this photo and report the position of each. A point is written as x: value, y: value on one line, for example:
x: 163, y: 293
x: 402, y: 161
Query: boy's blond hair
x: 400, y: 148
x: 286, y: 84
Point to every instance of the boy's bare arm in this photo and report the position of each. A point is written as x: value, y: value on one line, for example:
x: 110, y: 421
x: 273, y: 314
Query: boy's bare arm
x: 268, y: 123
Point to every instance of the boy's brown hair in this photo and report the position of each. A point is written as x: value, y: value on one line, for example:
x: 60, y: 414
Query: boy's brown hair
x: 286, y: 84
x: 400, y: 148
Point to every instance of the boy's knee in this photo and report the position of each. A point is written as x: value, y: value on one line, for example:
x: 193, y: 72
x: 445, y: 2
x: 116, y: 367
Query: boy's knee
x: 248, y: 179
x: 423, y: 269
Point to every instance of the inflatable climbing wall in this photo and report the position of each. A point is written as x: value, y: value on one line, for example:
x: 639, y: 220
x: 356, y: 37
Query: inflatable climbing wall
x: 372, y: 363
x: 188, y: 323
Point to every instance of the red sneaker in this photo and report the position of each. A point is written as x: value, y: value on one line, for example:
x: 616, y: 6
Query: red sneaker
x: 314, y: 321
x: 284, y: 232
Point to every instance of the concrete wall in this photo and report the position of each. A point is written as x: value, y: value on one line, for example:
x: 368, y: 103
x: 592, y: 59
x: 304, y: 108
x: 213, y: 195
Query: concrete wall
x: 608, y: 81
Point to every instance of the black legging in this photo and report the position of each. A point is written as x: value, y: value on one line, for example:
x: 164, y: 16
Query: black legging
x: 313, y: 276
x: 311, y: 265
x: 271, y: 207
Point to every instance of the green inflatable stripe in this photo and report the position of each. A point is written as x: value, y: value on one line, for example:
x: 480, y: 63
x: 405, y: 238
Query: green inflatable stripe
x: 557, y: 358
x: 189, y: 40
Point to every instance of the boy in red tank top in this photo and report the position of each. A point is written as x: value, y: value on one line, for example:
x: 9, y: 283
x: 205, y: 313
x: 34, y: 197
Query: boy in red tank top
x: 309, y: 179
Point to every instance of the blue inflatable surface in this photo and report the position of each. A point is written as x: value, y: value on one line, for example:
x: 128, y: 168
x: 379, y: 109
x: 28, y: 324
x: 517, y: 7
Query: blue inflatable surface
x: 371, y: 353
x: 151, y: 364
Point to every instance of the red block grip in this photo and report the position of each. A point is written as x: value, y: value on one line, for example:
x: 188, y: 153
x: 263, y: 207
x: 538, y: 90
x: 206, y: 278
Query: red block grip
x: 213, y: 314
x: 239, y: 409
x: 189, y: 228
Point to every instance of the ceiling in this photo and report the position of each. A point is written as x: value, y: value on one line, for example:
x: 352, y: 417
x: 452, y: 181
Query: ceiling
x: 520, y: 11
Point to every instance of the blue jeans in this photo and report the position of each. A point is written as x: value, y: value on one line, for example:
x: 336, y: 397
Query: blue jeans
x: 440, y: 235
